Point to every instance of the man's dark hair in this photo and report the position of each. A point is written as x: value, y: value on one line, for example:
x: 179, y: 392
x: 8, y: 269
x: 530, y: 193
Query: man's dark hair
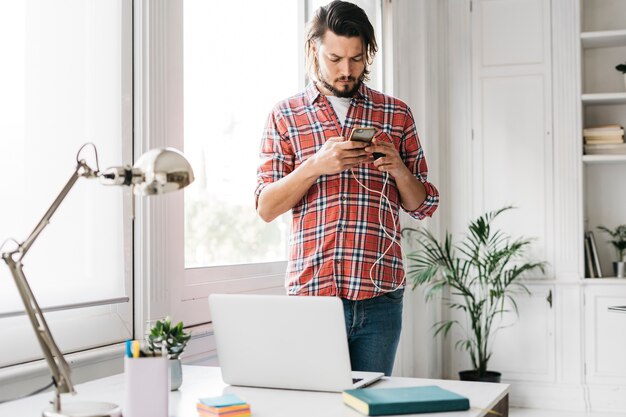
x: 343, y: 19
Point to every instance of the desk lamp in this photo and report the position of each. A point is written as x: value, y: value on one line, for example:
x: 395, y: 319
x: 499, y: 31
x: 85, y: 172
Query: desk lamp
x: 157, y: 171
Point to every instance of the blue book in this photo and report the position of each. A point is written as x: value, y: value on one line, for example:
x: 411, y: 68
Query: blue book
x: 404, y: 400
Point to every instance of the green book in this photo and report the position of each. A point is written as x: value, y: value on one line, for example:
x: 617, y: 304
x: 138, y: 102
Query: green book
x: 404, y: 400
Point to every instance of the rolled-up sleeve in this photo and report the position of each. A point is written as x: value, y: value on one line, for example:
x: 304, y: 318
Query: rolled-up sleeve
x: 413, y: 156
x: 276, y: 153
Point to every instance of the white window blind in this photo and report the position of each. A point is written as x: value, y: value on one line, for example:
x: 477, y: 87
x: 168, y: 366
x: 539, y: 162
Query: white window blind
x: 65, y: 80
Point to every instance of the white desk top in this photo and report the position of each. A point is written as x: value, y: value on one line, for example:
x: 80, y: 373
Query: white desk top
x: 202, y: 381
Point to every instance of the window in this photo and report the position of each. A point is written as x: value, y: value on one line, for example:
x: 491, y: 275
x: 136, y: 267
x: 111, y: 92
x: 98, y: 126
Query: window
x: 240, y: 59
x: 65, y: 81
x: 236, y: 69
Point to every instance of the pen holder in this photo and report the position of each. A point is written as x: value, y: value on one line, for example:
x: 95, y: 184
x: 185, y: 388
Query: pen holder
x: 146, y: 387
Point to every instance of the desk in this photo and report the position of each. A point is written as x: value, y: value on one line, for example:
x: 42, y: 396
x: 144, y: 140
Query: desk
x: 203, y: 381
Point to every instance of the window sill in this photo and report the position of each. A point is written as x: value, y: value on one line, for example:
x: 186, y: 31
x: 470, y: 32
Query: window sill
x: 78, y: 361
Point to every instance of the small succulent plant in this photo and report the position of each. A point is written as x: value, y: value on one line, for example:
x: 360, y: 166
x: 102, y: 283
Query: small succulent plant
x: 165, y: 336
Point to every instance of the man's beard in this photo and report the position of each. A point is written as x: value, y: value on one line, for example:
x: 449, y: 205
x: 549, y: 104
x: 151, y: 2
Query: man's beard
x: 342, y: 93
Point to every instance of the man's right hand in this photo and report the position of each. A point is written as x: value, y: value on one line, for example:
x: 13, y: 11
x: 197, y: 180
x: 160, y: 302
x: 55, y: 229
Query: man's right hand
x: 337, y: 155
x: 334, y: 156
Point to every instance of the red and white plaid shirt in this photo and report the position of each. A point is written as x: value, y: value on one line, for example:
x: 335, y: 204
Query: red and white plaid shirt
x: 336, y: 237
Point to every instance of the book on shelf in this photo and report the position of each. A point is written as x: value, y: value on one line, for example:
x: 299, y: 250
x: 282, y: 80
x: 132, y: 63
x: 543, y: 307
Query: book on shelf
x: 589, y: 269
x: 404, y: 400
x: 603, y: 129
x: 598, y: 140
x: 595, y: 260
x: 603, y: 135
x: 605, y: 149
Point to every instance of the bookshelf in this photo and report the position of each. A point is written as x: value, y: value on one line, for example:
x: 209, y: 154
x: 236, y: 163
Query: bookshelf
x: 604, y: 98
x: 603, y: 39
x: 604, y: 159
x: 603, y: 101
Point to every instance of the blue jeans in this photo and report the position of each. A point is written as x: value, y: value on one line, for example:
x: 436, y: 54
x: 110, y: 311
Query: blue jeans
x: 373, y: 327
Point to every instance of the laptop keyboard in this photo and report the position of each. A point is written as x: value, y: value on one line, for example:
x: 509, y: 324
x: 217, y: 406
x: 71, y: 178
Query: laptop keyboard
x: 355, y: 380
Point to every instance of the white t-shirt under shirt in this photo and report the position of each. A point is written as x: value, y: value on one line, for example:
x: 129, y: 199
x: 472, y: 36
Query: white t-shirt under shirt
x: 341, y: 106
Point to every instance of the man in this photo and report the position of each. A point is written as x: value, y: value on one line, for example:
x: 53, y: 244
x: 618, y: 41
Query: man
x: 345, y: 238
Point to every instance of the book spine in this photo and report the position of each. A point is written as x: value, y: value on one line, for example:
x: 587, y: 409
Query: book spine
x: 421, y: 407
x: 588, y: 260
x: 594, y: 254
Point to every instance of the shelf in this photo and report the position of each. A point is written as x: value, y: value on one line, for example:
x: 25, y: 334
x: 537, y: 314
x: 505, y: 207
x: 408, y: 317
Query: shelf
x: 604, y: 98
x: 603, y: 39
x: 601, y: 281
x: 604, y: 159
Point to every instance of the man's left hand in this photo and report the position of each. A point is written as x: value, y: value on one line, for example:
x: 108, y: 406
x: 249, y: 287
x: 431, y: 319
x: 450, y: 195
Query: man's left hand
x: 391, y: 162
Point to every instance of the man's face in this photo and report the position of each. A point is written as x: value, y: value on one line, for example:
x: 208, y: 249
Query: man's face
x: 341, y: 64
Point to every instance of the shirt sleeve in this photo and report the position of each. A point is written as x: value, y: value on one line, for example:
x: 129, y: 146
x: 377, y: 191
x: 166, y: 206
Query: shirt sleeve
x: 276, y: 153
x: 413, y: 155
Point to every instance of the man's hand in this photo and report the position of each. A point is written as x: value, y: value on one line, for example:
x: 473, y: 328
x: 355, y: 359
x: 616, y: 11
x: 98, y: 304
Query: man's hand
x: 337, y: 155
x: 391, y: 162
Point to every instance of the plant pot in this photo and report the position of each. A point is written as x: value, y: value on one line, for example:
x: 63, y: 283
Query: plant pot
x: 472, y: 375
x: 176, y: 374
x: 619, y: 269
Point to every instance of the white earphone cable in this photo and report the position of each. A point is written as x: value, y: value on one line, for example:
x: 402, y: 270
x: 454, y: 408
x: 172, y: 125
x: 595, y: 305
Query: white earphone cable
x: 392, y: 238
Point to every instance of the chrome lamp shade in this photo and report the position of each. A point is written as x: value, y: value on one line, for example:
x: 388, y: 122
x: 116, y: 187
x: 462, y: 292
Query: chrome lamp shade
x: 157, y: 171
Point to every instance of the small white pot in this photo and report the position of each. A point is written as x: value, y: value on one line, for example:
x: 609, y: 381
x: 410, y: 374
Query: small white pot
x: 625, y: 81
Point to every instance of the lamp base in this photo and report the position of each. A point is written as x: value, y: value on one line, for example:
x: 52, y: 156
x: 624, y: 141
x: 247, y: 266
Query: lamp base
x: 85, y: 409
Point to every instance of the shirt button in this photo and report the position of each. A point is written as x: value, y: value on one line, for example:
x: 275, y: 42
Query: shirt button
x: 343, y: 198
x: 338, y: 260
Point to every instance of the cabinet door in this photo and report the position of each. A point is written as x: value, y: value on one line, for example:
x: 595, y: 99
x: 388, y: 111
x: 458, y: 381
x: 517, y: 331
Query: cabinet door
x: 605, y: 335
x: 512, y: 144
x: 524, y: 350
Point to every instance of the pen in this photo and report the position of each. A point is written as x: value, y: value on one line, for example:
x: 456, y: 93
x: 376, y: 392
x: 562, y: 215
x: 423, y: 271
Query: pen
x: 129, y: 353
x: 135, y: 348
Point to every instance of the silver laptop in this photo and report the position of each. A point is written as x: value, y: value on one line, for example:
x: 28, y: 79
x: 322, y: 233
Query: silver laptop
x: 276, y: 341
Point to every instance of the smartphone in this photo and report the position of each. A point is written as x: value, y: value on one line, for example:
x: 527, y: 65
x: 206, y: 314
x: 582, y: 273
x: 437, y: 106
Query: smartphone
x: 365, y: 134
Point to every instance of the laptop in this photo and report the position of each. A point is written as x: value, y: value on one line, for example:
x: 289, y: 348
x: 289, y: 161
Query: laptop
x: 288, y: 342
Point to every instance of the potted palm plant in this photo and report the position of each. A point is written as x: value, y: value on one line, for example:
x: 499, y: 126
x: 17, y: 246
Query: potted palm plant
x: 171, y: 339
x: 619, y: 243
x: 482, y: 275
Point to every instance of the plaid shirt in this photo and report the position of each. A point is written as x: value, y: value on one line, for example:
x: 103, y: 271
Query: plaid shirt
x: 336, y: 237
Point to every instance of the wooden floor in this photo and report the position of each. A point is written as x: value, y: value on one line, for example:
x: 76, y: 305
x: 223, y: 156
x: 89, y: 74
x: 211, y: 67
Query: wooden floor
x: 532, y: 412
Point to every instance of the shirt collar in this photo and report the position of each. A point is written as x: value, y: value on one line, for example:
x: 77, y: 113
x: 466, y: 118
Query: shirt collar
x: 313, y: 93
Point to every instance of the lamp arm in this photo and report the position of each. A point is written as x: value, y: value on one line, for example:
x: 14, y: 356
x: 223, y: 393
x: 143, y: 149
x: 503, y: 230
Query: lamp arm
x: 82, y: 170
x: 56, y: 362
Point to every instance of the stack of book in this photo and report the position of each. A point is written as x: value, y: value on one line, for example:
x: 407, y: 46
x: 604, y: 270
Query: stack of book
x: 227, y: 405
x: 608, y: 139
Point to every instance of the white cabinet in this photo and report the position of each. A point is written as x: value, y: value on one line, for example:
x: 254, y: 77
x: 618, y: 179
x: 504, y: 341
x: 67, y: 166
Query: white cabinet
x: 605, y: 338
x: 541, y: 72
x: 511, y: 102
x: 524, y: 350
x: 511, y: 162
